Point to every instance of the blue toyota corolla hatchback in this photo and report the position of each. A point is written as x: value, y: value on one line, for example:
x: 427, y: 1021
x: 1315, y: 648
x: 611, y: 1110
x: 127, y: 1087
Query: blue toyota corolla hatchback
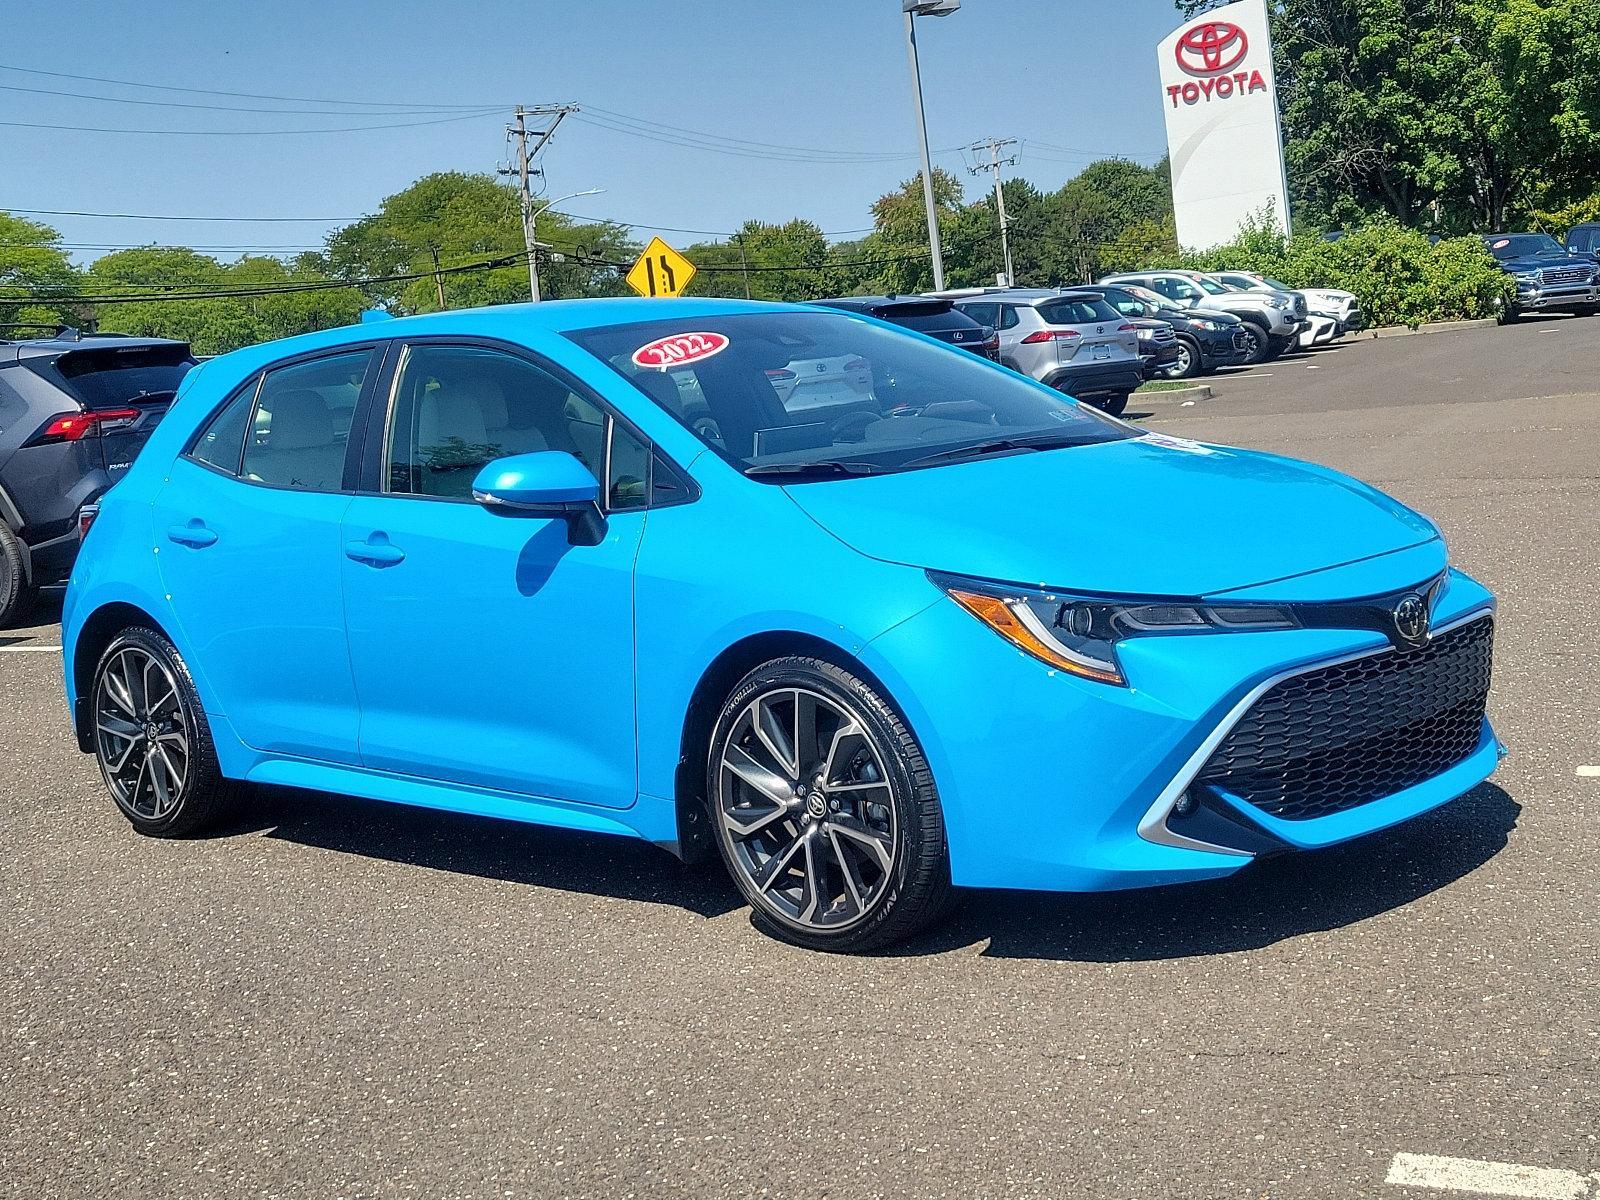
x: 812, y: 590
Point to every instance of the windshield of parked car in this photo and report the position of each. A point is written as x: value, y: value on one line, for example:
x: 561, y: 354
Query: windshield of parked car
x: 787, y: 395
x: 1215, y: 288
x: 1276, y: 284
x: 1145, y: 294
x: 1523, y: 245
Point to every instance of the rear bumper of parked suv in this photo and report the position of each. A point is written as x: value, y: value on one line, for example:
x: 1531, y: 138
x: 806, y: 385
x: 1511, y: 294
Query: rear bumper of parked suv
x: 1099, y: 379
x: 1203, y: 764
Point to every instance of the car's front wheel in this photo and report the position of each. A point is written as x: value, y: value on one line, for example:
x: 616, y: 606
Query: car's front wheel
x: 151, y: 738
x: 1188, y: 363
x: 1255, y: 343
x: 825, y: 809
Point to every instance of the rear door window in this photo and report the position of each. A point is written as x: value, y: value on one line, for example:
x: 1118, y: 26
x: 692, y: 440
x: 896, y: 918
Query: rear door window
x: 221, y: 442
x: 301, y: 424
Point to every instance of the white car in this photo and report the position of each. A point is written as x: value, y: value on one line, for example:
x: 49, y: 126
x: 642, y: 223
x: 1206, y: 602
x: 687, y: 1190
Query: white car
x: 1332, y: 313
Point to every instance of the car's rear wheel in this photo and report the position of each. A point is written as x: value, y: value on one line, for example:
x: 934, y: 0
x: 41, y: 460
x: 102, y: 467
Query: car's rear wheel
x: 1115, y: 405
x: 16, y: 597
x: 151, y: 738
x: 825, y: 810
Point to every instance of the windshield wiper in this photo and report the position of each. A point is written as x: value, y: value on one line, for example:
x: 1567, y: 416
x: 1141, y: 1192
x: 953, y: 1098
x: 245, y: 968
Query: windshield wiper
x: 825, y: 467
x: 998, y: 446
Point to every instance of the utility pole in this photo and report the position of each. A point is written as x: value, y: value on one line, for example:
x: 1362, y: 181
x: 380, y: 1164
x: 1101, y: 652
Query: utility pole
x: 994, y: 146
x: 912, y: 10
x: 744, y: 264
x: 438, y: 279
x: 550, y: 115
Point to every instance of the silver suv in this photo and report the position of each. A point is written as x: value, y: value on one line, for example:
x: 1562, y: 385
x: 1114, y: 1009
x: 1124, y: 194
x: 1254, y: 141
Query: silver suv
x: 1073, y: 341
x: 1272, y: 320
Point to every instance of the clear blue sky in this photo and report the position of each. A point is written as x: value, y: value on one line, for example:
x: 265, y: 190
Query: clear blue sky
x: 1076, y: 79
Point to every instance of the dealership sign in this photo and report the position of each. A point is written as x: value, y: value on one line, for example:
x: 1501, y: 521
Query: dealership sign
x: 1223, y: 132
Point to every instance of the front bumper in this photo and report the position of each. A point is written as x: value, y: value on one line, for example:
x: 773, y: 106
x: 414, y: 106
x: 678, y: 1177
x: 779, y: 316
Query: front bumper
x: 1223, y: 347
x: 1560, y: 298
x: 1052, y: 783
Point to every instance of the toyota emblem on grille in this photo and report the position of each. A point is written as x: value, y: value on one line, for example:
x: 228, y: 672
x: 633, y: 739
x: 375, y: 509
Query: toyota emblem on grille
x: 1411, y: 620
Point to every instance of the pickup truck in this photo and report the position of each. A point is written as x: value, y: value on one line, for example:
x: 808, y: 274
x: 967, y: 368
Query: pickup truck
x: 1548, y: 277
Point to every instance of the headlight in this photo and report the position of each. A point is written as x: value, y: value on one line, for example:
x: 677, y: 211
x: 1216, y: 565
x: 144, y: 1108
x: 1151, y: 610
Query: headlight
x: 1275, y: 302
x: 1199, y: 323
x: 1080, y: 634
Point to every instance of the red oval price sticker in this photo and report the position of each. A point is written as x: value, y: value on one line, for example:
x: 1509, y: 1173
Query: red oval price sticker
x: 679, y: 350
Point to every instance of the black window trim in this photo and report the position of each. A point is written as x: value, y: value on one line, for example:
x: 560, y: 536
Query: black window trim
x: 372, y: 469
x: 377, y: 349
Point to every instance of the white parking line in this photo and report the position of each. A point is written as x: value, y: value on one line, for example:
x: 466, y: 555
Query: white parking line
x: 1252, y: 375
x: 1485, y: 1178
x: 1313, y: 368
x: 30, y: 649
x: 1589, y: 772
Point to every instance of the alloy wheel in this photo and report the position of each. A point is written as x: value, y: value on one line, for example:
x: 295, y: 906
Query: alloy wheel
x: 142, y: 736
x: 807, y: 808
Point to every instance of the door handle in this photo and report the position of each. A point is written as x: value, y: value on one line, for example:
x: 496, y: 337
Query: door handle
x: 374, y: 553
x: 194, y: 535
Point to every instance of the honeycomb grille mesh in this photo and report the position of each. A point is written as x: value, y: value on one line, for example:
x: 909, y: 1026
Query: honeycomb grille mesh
x: 1344, y: 735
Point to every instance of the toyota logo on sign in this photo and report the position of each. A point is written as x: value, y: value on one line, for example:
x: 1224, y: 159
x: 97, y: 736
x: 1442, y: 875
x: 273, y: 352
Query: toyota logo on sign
x: 1210, y: 47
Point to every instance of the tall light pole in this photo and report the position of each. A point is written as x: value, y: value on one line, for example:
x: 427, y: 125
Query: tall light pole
x: 913, y: 9
x: 532, y: 239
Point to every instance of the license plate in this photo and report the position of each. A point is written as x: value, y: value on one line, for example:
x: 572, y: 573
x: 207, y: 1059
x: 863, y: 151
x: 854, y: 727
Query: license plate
x: 1102, y: 351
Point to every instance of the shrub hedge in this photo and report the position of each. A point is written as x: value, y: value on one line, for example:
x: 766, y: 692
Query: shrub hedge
x: 1401, y: 277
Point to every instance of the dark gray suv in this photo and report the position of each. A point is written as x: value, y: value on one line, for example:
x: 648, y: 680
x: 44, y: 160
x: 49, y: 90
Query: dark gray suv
x: 74, y: 410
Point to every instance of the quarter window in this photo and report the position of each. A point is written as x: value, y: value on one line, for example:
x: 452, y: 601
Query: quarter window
x: 221, y: 443
x: 1008, y: 317
x: 301, y: 423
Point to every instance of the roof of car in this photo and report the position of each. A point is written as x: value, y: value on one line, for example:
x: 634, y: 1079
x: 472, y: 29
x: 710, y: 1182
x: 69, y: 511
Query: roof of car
x: 1033, y: 295
x: 867, y: 303
x: 69, y: 341
x: 508, y: 321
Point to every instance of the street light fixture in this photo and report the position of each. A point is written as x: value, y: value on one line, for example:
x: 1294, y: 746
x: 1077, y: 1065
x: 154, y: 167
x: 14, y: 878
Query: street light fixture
x: 913, y: 9
x: 533, y: 240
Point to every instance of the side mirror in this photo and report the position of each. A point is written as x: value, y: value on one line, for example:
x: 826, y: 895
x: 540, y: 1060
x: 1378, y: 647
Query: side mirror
x: 550, y: 484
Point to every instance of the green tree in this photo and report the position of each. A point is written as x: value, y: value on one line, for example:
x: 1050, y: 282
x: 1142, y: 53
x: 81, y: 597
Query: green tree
x: 456, y: 219
x: 32, y: 263
x: 791, y: 261
x: 1459, y: 114
x: 1110, y: 213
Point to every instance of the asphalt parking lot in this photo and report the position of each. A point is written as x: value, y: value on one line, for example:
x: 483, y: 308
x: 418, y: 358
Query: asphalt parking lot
x: 337, y: 998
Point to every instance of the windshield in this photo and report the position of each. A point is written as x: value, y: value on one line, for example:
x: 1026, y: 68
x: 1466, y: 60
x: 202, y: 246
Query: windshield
x: 1524, y: 245
x: 1145, y: 294
x: 788, y: 394
x: 1215, y: 288
x: 1275, y: 284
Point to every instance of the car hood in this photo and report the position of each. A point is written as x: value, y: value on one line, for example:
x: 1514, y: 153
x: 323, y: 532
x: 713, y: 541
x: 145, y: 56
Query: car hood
x: 1331, y: 294
x: 1147, y: 516
x: 1536, y: 262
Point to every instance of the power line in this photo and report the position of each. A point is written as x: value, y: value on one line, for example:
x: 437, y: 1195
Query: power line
x: 69, y: 212
x: 282, y: 112
x: 193, y: 91
x: 475, y: 115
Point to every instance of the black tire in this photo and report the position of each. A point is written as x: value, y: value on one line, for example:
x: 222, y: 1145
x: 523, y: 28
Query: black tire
x: 1190, y: 361
x: 1256, y: 340
x: 1277, y: 347
x: 16, y: 596
x: 202, y: 796
x: 1113, y: 405
x: 1508, y: 316
x: 869, y: 904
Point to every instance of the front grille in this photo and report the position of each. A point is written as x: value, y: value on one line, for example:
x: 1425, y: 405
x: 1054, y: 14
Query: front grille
x: 1163, y: 335
x: 1241, y: 340
x: 1299, y: 305
x: 1561, y: 275
x: 1344, y: 735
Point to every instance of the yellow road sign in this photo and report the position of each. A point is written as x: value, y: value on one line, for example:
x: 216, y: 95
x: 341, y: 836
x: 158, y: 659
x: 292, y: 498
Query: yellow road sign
x: 660, y: 271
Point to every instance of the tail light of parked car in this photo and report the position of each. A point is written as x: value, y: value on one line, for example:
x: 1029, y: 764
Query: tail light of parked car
x: 86, y: 516
x: 1050, y: 335
x: 73, y: 427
